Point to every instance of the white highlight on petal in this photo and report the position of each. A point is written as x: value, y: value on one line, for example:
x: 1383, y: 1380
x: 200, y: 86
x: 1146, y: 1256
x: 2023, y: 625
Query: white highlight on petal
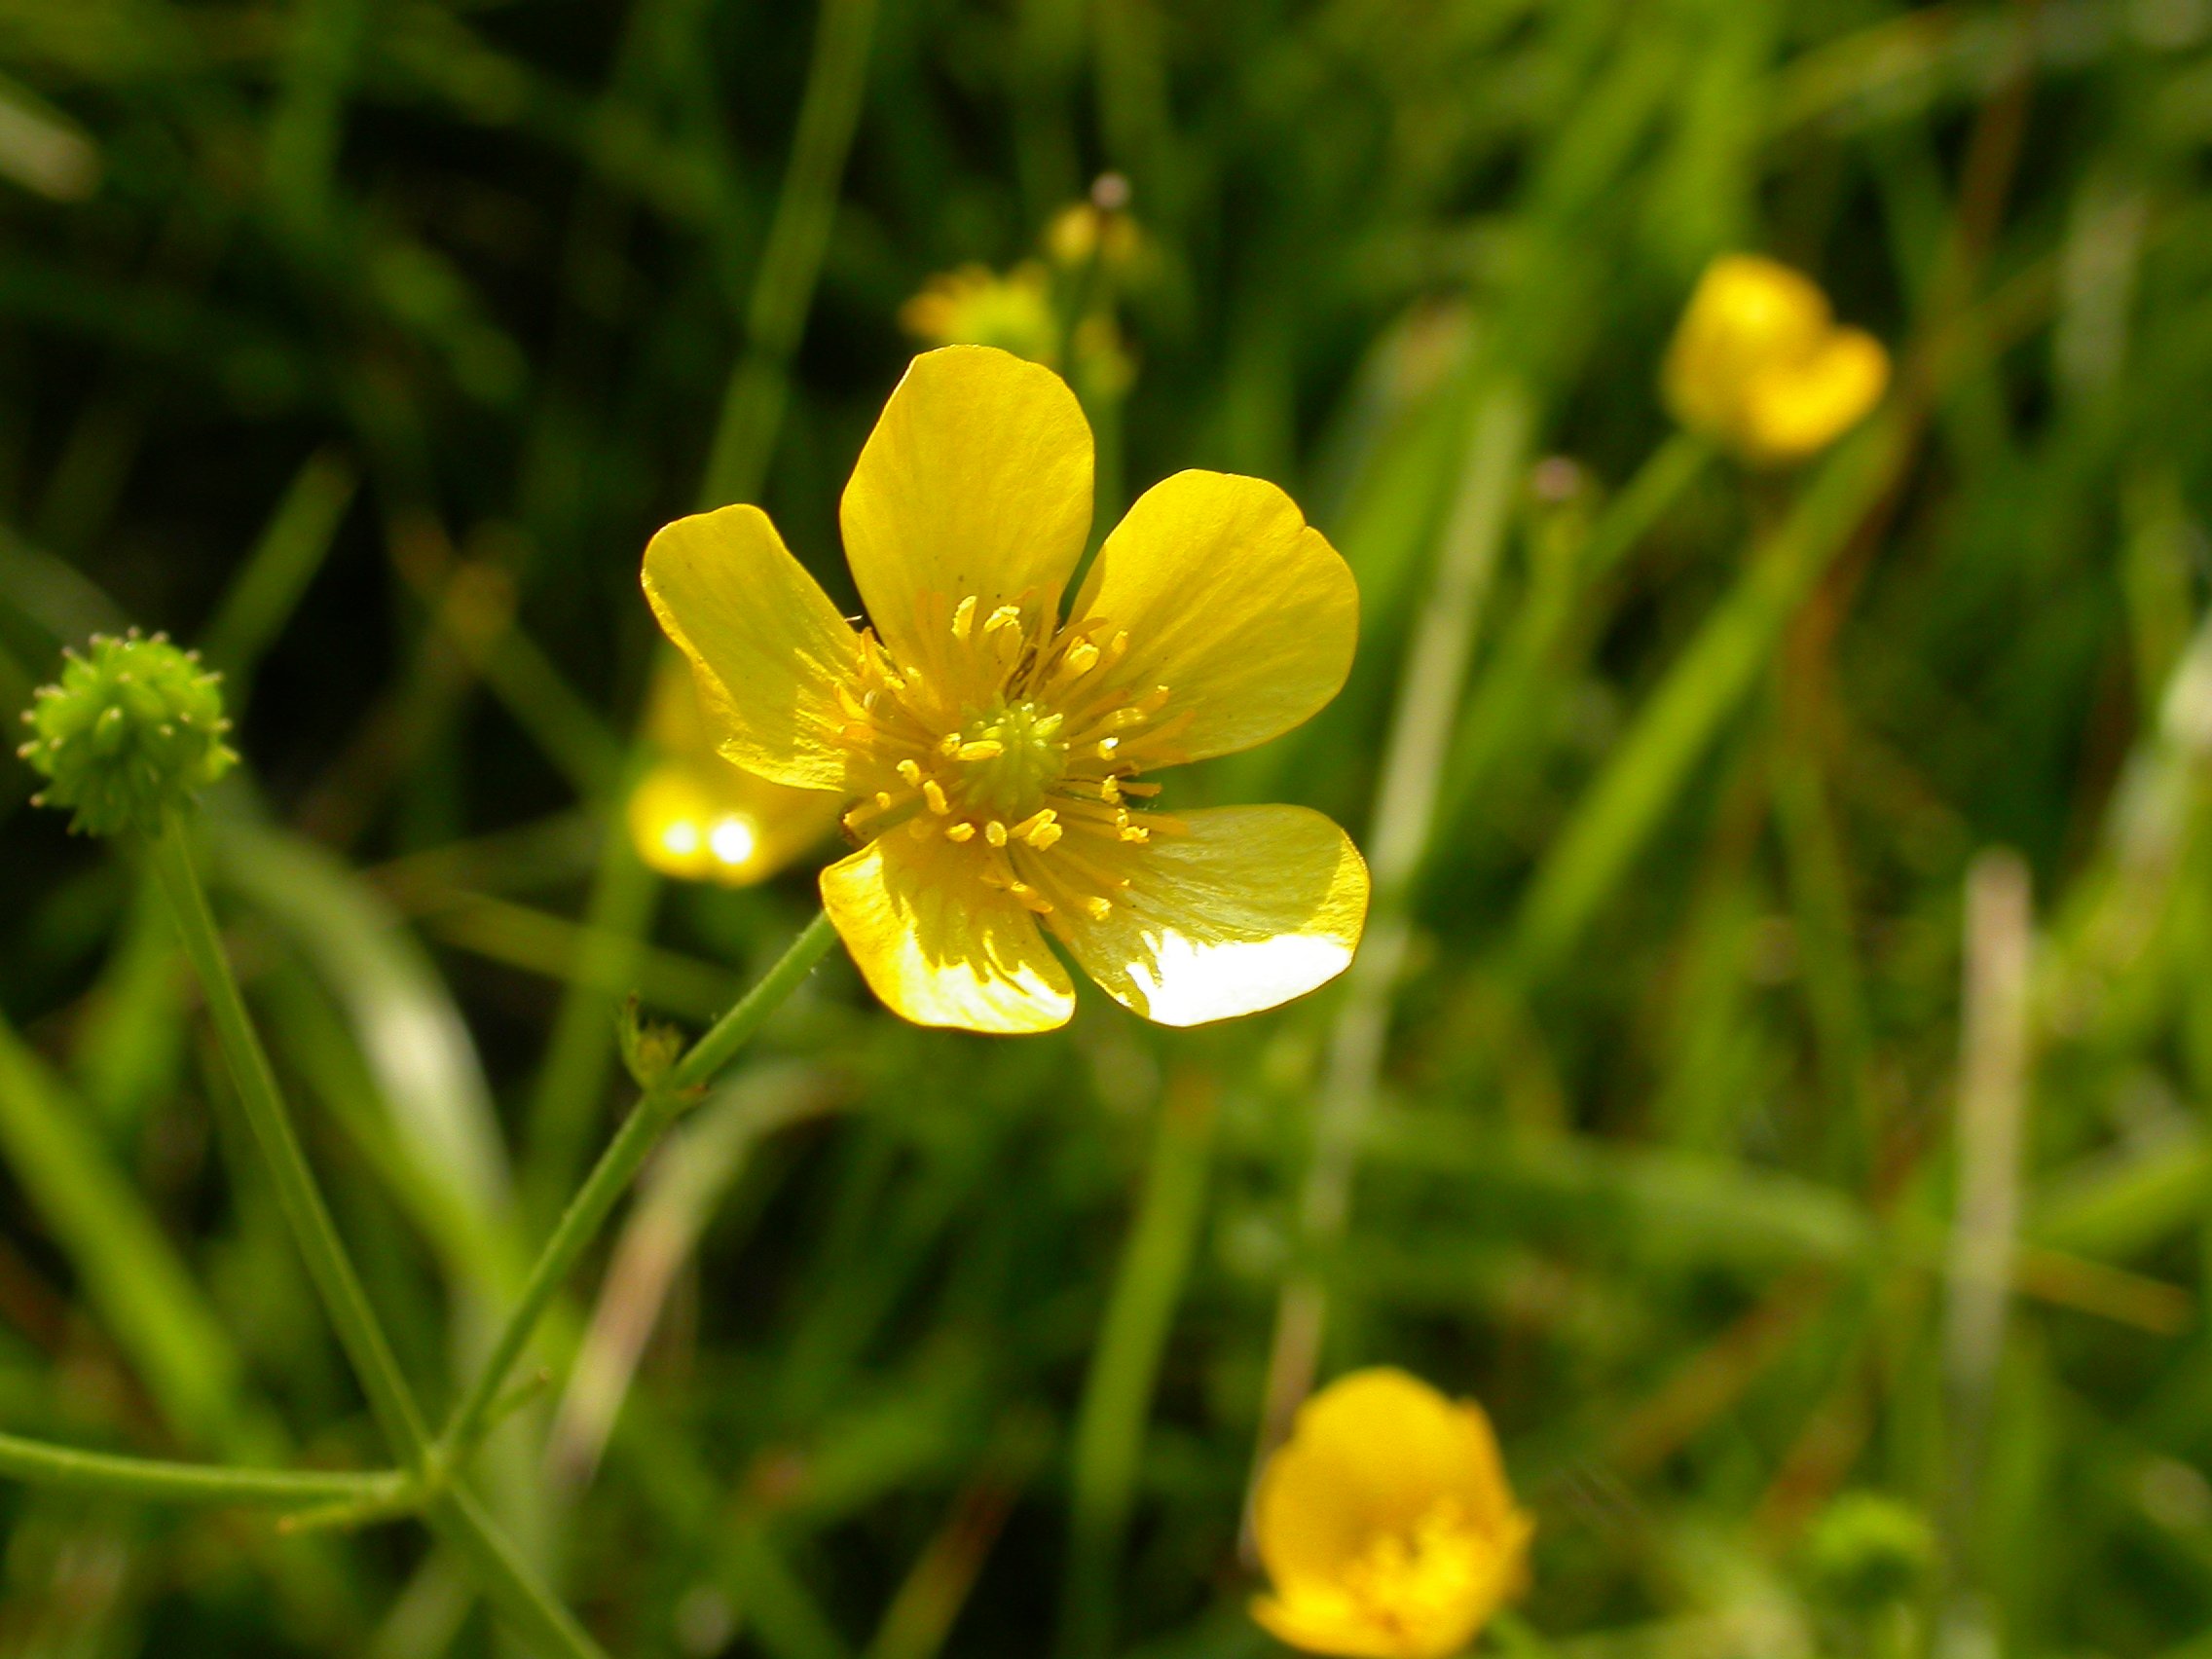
x: 1190, y: 981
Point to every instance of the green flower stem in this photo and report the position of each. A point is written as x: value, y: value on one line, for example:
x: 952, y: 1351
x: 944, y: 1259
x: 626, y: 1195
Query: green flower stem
x: 111, y: 1476
x: 1125, y: 1365
x: 328, y: 1265
x: 1536, y: 647
x: 538, y: 1617
x: 790, y: 262
x: 1679, y: 721
x: 656, y: 1109
x: 451, y: 1511
x: 623, y: 891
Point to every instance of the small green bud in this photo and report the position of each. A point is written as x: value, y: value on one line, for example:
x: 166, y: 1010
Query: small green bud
x: 1868, y: 1550
x: 649, y: 1051
x: 134, y: 726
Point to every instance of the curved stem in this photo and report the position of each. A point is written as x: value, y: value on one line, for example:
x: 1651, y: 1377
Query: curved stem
x: 657, y: 1108
x: 450, y: 1511
x: 113, y: 1475
x: 313, y: 1228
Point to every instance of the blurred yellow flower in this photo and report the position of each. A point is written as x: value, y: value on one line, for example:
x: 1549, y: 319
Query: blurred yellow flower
x: 1759, y: 365
x: 1082, y: 232
x: 974, y: 306
x: 697, y: 818
x: 993, y: 750
x: 1385, y: 1523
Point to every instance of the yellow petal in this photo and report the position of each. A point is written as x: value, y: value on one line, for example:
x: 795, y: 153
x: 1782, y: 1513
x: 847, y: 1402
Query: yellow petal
x: 1327, y: 1623
x: 1799, y: 410
x: 767, y: 644
x: 976, y: 481
x: 1247, y: 616
x: 1247, y: 908
x: 938, y: 945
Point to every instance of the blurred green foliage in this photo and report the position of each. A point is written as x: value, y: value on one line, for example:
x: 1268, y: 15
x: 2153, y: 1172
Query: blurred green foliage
x: 365, y: 341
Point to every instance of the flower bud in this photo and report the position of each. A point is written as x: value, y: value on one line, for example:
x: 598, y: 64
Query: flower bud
x: 134, y: 726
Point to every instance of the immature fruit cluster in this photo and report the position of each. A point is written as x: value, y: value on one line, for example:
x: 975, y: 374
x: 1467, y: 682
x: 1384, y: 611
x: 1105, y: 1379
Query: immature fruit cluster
x: 134, y: 726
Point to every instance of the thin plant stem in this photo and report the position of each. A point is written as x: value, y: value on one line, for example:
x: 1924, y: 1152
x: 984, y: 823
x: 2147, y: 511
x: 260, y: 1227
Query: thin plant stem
x: 1534, y: 649
x: 451, y: 1511
x: 656, y: 1109
x: 504, y: 1578
x: 1125, y: 1365
x: 1405, y: 808
x: 791, y: 264
x: 1679, y: 721
x: 315, y: 1233
x: 580, y: 1058
x: 111, y: 1475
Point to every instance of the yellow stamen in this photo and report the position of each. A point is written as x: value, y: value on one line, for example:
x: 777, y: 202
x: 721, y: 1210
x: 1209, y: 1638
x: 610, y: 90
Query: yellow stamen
x: 963, y: 619
x: 960, y: 832
x: 934, y: 792
x: 995, y: 833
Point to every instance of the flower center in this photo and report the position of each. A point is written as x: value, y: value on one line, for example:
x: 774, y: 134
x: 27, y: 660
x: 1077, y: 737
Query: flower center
x: 1018, y: 745
x: 1009, y: 758
x: 1408, y: 1578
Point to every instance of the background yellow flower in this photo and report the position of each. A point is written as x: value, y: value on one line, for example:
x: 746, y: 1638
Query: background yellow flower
x: 696, y: 816
x: 1759, y: 365
x: 1386, y: 1524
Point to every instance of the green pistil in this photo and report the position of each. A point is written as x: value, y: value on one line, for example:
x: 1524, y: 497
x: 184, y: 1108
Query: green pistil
x: 1011, y: 784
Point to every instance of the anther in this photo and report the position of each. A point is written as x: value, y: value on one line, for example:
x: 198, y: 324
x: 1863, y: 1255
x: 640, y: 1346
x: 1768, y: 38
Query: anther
x: 1096, y: 908
x: 934, y: 792
x: 964, y: 619
x: 1026, y: 830
x: 981, y: 748
x: 1005, y: 616
x: 995, y: 833
x: 961, y: 832
x: 912, y: 771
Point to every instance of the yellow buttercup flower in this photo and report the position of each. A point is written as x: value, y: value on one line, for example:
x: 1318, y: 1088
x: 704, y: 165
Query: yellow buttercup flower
x: 1385, y: 1523
x: 974, y: 306
x: 1759, y: 365
x: 1082, y: 232
x: 993, y: 749
x: 697, y: 818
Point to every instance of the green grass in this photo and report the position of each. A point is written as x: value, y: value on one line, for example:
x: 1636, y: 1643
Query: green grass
x: 365, y: 341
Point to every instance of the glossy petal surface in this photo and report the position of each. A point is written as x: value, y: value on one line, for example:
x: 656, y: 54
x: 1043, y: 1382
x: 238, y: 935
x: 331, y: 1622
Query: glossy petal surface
x: 937, y: 946
x: 976, y: 482
x: 1247, y: 908
x: 767, y: 646
x: 1230, y: 599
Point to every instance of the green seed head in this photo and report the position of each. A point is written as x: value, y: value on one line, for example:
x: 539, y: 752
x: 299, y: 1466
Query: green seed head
x: 134, y: 726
